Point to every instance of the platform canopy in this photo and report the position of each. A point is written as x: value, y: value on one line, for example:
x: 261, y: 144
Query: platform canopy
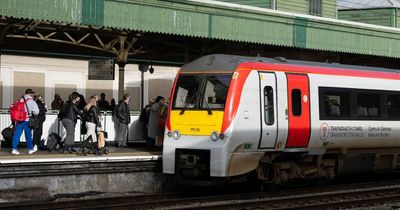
x: 193, y: 26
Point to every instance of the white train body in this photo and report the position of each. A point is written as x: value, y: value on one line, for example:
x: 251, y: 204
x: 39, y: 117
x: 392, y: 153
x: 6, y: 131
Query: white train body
x: 281, y: 119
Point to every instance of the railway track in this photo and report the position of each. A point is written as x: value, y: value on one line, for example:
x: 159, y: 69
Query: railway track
x: 330, y: 197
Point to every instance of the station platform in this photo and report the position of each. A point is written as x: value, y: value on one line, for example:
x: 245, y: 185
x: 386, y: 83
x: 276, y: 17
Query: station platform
x: 115, y: 154
x: 133, y: 169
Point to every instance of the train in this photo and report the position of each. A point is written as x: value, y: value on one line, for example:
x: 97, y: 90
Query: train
x: 276, y: 120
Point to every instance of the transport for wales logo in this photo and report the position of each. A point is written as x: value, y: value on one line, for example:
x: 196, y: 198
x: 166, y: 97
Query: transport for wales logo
x: 324, y: 131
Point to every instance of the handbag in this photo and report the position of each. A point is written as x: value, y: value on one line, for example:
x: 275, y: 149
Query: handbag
x: 161, y: 120
x: 33, y: 120
x: 161, y: 123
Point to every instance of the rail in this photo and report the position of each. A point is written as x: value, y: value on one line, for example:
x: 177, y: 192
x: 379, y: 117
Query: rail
x: 53, y: 125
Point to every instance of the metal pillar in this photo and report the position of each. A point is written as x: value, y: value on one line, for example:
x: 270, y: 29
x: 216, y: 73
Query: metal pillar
x: 121, y: 80
x: 141, y: 90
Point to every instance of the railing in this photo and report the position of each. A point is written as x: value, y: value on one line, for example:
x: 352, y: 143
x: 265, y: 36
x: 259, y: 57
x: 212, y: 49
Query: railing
x: 52, y: 124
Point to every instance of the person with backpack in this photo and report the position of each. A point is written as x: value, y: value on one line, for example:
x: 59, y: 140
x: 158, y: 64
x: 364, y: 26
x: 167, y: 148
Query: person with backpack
x: 26, y: 107
x: 123, y: 120
x: 69, y: 119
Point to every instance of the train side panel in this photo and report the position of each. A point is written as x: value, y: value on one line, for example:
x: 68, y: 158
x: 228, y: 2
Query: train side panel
x: 352, y: 133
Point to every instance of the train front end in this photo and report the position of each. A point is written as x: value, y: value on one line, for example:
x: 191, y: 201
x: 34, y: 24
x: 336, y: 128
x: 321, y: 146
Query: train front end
x: 195, y: 146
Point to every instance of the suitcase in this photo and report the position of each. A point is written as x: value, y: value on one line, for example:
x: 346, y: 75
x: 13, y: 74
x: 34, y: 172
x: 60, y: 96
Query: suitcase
x: 53, y: 142
x: 7, y: 134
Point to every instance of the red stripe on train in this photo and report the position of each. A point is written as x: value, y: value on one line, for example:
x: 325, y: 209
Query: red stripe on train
x: 234, y: 94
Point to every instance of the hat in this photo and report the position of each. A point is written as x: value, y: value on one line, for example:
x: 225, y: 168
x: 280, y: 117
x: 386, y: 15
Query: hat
x: 29, y: 91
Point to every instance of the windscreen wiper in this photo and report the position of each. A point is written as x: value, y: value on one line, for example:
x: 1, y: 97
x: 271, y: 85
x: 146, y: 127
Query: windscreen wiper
x: 207, y: 105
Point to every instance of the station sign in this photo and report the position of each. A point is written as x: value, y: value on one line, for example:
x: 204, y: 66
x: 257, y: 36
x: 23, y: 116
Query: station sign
x: 101, y: 69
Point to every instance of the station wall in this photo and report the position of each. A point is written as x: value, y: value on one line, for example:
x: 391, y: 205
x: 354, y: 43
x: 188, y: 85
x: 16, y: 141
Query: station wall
x: 49, y: 76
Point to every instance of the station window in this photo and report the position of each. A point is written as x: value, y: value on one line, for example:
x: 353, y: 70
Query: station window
x: 315, y: 7
x: 393, y: 106
x: 269, y: 105
x: 296, y: 102
x: 368, y: 105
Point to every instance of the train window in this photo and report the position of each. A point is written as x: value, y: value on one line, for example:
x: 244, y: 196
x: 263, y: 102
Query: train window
x: 186, y: 91
x: 334, y: 103
x: 393, y: 106
x: 368, y: 105
x: 216, y: 91
x: 296, y: 102
x: 269, y: 105
x: 201, y: 91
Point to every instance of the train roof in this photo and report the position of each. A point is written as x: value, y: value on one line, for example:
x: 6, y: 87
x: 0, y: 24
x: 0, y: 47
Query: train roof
x: 229, y: 63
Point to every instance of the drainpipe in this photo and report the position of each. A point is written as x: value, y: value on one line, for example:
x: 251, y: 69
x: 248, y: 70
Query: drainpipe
x: 273, y: 5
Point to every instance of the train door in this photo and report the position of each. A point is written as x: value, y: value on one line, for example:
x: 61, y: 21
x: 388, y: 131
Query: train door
x: 299, y: 110
x: 268, y: 110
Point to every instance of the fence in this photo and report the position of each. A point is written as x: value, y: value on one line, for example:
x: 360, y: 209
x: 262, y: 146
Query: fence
x: 53, y: 125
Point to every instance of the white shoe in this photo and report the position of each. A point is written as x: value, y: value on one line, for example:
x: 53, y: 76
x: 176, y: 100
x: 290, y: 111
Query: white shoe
x: 15, y: 152
x: 32, y: 150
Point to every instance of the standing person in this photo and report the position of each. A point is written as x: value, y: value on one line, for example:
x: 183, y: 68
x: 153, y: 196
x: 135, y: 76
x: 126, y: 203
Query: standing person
x: 91, y: 118
x: 31, y: 108
x: 81, y: 102
x: 123, y: 120
x: 103, y: 103
x: 57, y: 103
x: 37, y: 132
x: 112, y: 106
x: 144, y: 118
x: 69, y: 120
x: 154, y: 130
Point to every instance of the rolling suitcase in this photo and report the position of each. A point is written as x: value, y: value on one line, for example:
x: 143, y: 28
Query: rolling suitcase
x: 53, y: 142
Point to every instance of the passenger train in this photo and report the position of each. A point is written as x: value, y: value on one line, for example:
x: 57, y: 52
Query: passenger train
x: 279, y: 119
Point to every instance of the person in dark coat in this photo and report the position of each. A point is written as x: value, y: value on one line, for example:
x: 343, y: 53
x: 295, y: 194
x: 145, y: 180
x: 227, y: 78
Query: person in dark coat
x: 103, y: 103
x: 81, y: 102
x: 69, y: 119
x: 37, y: 132
x: 57, y: 103
x: 123, y: 120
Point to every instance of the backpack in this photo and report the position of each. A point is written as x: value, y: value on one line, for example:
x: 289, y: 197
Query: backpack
x: 18, y: 111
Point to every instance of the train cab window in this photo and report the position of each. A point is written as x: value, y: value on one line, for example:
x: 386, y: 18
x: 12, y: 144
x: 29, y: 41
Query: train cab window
x: 296, y: 102
x: 187, y: 91
x: 368, y: 105
x: 269, y: 105
x: 393, y: 106
x: 216, y: 91
x: 201, y: 91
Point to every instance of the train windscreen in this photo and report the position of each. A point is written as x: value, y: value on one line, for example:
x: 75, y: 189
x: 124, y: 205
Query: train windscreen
x: 201, y: 91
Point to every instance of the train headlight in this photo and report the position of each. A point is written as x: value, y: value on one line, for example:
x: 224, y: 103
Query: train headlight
x: 176, y: 135
x: 214, y: 136
x: 169, y: 134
